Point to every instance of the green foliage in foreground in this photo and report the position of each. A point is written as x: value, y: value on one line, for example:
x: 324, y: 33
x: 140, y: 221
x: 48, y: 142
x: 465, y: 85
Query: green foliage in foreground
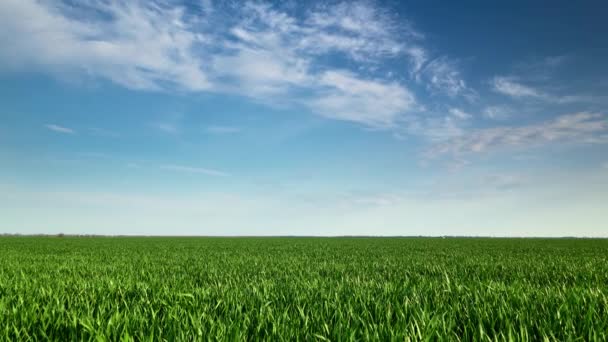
x: 302, y: 289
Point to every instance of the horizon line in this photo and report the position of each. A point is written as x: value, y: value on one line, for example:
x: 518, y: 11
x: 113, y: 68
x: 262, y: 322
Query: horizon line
x: 62, y: 235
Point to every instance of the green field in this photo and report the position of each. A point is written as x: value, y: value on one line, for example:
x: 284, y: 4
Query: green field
x: 303, y: 289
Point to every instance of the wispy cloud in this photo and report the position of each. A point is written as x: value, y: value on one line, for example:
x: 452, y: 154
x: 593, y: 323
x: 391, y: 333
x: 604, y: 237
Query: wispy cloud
x: 190, y: 169
x: 436, y: 128
x: 502, y: 181
x: 373, y: 102
x: 460, y: 114
x: 254, y: 49
x: 358, y: 29
x: 60, y: 129
x: 572, y: 128
x: 443, y: 76
x: 508, y: 86
x: 418, y: 57
x: 554, y: 61
x: 139, y: 44
x: 274, y: 54
x: 497, y: 112
x: 166, y: 127
x: 170, y: 123
x: 541, y: 68
x: 512, y: 87
x: 215, y: 129
x: 93, y: 155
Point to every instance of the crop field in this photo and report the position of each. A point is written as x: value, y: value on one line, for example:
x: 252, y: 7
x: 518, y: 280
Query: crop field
x: 303, y: 289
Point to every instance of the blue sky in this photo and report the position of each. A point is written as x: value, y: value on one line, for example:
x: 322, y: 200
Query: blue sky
x: 304, y: 118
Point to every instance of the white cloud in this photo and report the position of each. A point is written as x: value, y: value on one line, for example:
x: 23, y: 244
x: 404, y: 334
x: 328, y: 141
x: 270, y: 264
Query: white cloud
x: 190, y: 169
x: 457, y: 164
x: 262, y: 73
x: 555, y: 61
x: 94, y: 155
x: 375, y: 103
x: 357, y: 29
x: 460, y: 114
x: 59, y: 129
x: 170, y: 123
x: 166, y: 127
x: 497, y: 112
x: 139, y: 45
x: 577, y: 99
x: 508, y: 86
x: 436, y: 128
x: 215, y: 129
x: 503, y: 181
x: 418, y: 56
x: 253, y: 49
x: 572, y: 128
x: 443, y: 76
x: 207, y: 6
x: 276, y: 54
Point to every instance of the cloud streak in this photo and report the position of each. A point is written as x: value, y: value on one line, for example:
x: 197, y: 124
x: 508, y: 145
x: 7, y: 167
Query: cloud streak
x: 59, y: 129
x: 571, y: 128
x: 215, y: 129
x: 197, y: 170
x: 511, y: 87
x: 497, y: 112
x: 460, y: 114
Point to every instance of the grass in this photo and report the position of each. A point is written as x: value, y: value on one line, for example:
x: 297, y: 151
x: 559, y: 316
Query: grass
x: 308, y: 289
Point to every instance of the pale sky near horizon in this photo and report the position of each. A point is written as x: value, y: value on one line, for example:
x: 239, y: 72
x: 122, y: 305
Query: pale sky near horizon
x: 165, y: 117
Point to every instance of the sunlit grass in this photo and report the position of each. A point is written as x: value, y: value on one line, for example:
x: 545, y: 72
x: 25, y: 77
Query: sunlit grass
x: 302, y: 289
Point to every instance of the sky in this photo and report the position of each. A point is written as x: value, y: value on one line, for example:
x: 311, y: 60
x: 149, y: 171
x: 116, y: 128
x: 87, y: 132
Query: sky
x: 163, y: 117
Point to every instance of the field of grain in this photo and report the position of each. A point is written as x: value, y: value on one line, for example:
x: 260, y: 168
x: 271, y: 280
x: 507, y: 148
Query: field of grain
x: 302, y: 289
